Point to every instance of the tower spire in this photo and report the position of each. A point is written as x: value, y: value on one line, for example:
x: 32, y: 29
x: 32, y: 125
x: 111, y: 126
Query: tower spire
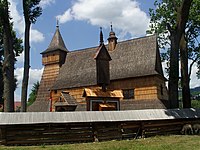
x: 56, y: 43
x: 101, y: 36
x: 111, y: 29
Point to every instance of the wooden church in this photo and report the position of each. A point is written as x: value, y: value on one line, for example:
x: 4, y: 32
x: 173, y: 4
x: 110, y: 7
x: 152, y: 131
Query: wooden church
x: 124, y: 75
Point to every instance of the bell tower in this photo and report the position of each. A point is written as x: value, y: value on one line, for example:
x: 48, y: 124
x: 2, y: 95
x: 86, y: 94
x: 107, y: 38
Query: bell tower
x: 112, y: 40
x: 52, y: 59
x: 102, y: 58
x: 56, y: 51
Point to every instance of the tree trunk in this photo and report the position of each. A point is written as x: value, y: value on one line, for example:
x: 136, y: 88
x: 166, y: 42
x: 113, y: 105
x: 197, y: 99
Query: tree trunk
x: 8, y: 64
x: 173, y: 72
x: 184, y: 73
x: 175, y: 37
x: 26, y: 65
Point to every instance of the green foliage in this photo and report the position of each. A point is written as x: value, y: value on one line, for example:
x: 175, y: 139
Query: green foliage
x: 193, y: 34
x: 196, y: 103
x: 32, y: 10
x: 33, y: 94
x: 17, y: 48
x: 163, y: 19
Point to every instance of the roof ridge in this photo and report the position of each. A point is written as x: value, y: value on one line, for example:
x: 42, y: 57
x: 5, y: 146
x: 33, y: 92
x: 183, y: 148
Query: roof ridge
x: 120, y: 42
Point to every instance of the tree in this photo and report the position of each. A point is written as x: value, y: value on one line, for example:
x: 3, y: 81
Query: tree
x: 33, y: 94
x: 193, y: 33
x: 189, y: 49
x: 1, y: 65
x: 8, y: 63
x: 17, y: 47
x: 31, y: 12
x: 171, y: 17
x: 189, y: 46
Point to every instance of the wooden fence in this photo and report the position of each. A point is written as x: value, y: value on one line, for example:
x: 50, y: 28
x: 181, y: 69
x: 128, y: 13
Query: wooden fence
x: 57, y: 133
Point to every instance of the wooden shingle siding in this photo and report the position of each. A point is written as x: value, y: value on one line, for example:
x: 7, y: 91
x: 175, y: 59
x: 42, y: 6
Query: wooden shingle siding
x: 146, y: 93
x: 54, y: 57
x: 135, y: 65
x: 48, y: 78
x: 145, y: 88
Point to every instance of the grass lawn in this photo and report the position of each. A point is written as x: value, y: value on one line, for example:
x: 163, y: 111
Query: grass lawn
x: 176, y: 142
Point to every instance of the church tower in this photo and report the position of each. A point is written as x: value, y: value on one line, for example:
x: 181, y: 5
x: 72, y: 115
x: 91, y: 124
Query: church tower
x: 52, y: 59
x: 102, y: 58
x: 112, y: 40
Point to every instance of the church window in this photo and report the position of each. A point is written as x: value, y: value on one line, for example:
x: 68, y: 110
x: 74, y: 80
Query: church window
x: 128, y: 94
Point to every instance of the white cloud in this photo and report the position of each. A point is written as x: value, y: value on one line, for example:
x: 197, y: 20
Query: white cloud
x: 45, y: 3
x: 34, y: 76
x: 65, y: 17
x: 20, y: 58
x: 36, y: 36
x: 16, y: 17
x: 126, y: 15
x: 194, y: 82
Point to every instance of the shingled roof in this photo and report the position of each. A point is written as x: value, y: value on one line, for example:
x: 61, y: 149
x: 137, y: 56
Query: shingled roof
x: 57, y: 43
x: 131, y: 58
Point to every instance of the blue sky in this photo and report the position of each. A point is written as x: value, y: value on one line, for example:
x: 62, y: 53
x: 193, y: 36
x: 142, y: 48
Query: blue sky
x: 79, y: 22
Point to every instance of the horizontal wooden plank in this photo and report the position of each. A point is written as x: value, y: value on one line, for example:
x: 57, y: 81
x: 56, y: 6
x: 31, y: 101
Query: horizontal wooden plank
x: 50, y: 141
x: 57, y: 136
x: 84, y: 132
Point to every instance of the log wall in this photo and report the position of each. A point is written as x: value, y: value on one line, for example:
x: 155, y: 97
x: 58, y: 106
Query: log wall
x: 145, y: 88
x: 59, y: 133
x: 53, y: 57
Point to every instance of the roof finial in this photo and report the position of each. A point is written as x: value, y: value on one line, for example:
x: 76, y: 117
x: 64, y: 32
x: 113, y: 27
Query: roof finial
x: 57, y: 23
x: 111, y: 27
x: 101, y: 36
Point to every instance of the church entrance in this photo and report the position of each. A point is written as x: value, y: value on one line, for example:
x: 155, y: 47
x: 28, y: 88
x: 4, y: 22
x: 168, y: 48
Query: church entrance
x: 98, y: 100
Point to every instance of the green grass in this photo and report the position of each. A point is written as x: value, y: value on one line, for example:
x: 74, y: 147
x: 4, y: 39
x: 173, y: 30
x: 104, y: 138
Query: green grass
x: 195, y: 103
x: 176, y: 142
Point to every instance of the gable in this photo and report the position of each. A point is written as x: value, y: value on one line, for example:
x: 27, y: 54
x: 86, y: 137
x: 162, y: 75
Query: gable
x: 102, y: 54
x: 131, y: 58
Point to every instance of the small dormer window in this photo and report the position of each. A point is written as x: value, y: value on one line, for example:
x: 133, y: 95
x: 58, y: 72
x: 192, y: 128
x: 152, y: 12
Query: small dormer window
x: 128, y: 93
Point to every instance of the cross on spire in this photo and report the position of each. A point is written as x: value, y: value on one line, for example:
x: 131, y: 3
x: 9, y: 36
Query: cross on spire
x: 101, y: 36
x: 57, y: 23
